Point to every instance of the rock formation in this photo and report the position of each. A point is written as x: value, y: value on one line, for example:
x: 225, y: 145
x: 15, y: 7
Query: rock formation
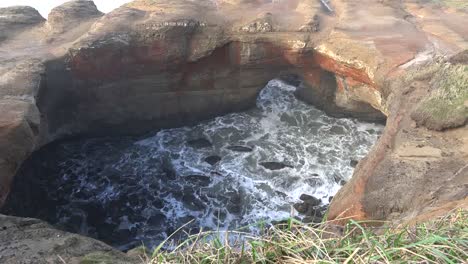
x: 161, y: 63
x: 25, y: 240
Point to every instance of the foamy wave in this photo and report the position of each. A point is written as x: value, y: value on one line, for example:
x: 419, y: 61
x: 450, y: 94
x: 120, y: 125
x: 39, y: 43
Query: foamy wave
x: 157, y: 184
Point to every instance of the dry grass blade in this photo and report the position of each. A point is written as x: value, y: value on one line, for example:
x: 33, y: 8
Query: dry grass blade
x: 444, y: 240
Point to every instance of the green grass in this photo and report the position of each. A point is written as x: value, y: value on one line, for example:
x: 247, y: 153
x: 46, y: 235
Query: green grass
x: 446, y: 106
x: 458, y: 4
x: 444, y: 240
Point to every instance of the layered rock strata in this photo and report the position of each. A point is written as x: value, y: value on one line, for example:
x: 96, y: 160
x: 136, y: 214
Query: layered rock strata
x: 161, y: 63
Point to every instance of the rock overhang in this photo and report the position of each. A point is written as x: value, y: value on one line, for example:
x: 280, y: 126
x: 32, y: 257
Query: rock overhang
x: 149, y: 61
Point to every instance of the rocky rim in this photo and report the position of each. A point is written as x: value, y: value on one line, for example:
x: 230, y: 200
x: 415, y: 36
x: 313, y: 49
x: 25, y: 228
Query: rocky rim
x: 160, y: 63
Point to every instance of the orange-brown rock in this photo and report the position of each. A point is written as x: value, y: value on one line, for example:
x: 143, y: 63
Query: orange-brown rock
x: 159, y: 63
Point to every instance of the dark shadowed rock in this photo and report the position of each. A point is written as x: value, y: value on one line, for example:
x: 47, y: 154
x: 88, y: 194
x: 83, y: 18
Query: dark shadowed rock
x: 353, y: 163
x: 302, y: 208
x: 200, y: 180
x: 460, y: 58
x: 212, y: 160
x: 158, y: 203
x: 238, y: 148
x: 168, y: 170
x: 199, y: 143
x: 192, y: 202
x: 310, y: 206
x: 291, y: 79
x: 309, y: 199
x: 156, y: 219
x: 312, y: 219
x: 275, y: 165
x: 96, y: 213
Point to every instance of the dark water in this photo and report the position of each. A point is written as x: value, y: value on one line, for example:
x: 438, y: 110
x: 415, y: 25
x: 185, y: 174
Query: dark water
x: 228, y: 172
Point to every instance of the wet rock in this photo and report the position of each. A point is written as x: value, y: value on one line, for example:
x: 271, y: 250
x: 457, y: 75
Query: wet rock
x: 274, y: 165
x: 134, y: 199
x: 291, y: 79
x: 337, y: 130
x: 288, y: 119
x: 157, y: 219
x: 199, y: 143
x: 168, y: 170
x: 234, y: 205
x: 192, y: 202
x: 312, y: 219
x: 339, y: 180
x: 309, y: 207
x: 200, y: 180
x: 212, y: 160
x: 302, y: 208
x: 158, y: 203
x: 330, y: 199
x: 96, y: 213
x: 309, y: 199
x: 353, y: 163
x: 106, y: 230
x: 123, y: 234
x: 238, y: 148
x: 75, y: 222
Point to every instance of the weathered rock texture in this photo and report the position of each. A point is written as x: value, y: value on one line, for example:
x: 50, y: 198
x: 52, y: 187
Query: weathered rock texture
x: 161, y: 63
x: 17, y: 18
x: 153, y: 64
x: 25, y: 240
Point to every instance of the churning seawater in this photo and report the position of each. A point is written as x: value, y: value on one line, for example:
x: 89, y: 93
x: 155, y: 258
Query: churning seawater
x: 224, y: 173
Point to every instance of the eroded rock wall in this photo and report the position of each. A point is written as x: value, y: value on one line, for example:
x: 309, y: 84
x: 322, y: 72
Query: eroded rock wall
x: 153, y: 64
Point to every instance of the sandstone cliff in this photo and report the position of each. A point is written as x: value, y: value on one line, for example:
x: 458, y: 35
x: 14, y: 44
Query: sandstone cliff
x: 162, y: 63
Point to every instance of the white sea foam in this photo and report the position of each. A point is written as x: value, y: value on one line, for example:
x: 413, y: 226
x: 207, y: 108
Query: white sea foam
x: 149, y: 177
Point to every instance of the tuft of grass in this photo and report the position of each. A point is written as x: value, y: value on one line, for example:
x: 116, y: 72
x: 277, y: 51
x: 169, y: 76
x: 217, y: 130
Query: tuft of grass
x: 457, y: 4
x: 443, y: 240
x: 446, y: 106
x: 100, y: 257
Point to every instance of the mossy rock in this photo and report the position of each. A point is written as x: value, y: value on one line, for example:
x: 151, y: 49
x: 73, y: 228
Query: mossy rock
x: 447, y: 104
x: 103, y: 258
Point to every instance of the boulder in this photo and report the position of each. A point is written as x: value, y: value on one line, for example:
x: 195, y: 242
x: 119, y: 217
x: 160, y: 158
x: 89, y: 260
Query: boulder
x: 309, y: 199
x: 212, y: 160
x: 16, y: 19
x: 238, y: 148
x: 71, y: 14
x: 199, y: 143
x: 26, y: 240
x: 272, y: 165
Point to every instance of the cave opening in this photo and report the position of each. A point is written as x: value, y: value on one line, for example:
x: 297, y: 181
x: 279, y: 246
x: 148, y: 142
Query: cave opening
x: 223, y: 173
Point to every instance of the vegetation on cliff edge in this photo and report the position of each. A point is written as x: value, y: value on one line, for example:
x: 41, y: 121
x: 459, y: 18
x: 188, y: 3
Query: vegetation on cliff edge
x: 447, y: 103
x: 457, y: 4
x: 444, y: 240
